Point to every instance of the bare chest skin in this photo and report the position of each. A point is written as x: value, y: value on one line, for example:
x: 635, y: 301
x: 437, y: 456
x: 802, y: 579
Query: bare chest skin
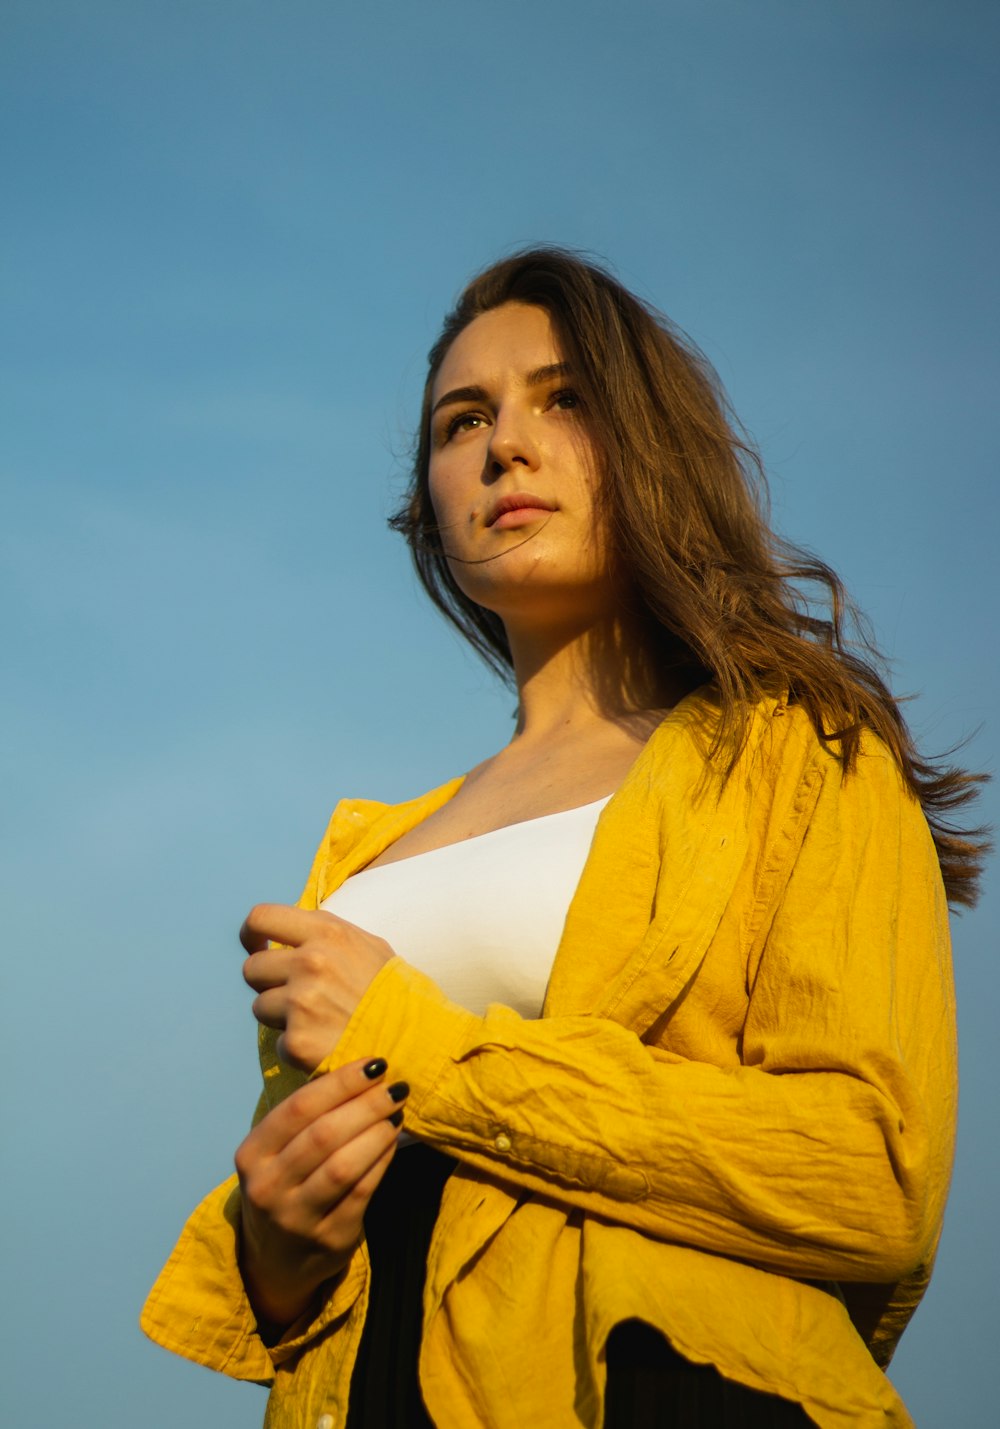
x: 527, y: 783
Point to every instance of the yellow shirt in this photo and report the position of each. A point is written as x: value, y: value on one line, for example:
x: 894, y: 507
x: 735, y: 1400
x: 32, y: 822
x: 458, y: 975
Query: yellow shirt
x: 734, y: 1119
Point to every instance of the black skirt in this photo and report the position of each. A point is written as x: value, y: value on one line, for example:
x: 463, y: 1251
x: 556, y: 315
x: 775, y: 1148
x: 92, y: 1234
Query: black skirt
x: 649, y: 1385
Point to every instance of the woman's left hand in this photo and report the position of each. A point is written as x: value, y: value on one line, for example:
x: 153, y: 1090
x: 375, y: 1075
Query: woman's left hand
x: 308, y: 988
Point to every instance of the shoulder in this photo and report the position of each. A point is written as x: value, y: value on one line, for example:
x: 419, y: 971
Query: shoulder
x: 768, y: 735
x: 783, y: 769
x: 867, y: 813
x: 764, y: 743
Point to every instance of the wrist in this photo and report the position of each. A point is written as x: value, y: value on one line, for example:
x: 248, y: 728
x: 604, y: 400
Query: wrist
x: 281, y: 1292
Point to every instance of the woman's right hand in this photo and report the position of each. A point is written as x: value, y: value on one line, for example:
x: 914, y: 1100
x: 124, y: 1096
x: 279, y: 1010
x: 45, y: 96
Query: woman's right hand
x: 307, y: 1172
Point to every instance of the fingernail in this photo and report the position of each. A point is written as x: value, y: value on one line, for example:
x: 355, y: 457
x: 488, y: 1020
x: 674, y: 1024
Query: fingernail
x: 399, y: 1091
x: 375, y: 1068
x: 397, y: 1117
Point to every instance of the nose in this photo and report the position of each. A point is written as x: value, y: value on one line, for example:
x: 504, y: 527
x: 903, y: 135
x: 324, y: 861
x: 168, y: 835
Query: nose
x: 511, y: 443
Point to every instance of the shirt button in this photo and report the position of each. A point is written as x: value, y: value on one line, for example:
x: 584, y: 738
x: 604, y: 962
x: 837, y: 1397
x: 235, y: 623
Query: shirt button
x: 502, y: 1142
x: 325, y: 1421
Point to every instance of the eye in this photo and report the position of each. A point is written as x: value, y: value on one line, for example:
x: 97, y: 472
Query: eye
x: 565, y: 399
x: 462, y: 422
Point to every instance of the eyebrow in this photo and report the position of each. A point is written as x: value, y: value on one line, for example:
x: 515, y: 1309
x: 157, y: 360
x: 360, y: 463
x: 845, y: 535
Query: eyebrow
x: 534, y: 378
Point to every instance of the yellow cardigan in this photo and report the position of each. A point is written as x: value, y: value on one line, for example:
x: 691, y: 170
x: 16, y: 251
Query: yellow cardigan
x: 733, y: 1120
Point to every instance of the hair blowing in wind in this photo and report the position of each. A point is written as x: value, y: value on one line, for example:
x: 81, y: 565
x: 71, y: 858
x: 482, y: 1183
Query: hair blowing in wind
x: 723, y: 596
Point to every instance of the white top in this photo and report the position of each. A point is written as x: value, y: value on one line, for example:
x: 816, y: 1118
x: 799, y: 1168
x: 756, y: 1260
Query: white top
x: 482, y: 917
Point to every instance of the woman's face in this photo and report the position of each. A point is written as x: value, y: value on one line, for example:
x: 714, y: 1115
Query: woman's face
x: 513, y: 476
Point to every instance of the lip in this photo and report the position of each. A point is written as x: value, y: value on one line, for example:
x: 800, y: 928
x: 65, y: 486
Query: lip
x: 511, y: 510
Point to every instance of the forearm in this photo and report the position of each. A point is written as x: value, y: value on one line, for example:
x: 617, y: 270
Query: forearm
x: 816, y: 1174
x: 282, y: 1290
x: 823, y: 1151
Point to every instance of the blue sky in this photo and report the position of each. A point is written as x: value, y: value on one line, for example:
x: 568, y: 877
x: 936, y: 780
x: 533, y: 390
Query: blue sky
x: 230, y: 233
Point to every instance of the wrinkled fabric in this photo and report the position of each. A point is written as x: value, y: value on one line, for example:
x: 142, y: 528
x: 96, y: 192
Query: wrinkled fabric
x: 734, y: 1119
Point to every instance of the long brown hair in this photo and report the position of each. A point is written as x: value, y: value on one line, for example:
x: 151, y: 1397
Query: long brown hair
x: 687, y: 507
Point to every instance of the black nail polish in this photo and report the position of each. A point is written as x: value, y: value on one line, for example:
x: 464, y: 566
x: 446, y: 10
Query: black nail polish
x: 398, y: 1091
x: 397, y: 1117
x: 375, y: 1068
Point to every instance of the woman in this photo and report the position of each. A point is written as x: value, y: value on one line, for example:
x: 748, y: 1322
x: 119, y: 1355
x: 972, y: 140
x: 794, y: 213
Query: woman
x: 662, y: 988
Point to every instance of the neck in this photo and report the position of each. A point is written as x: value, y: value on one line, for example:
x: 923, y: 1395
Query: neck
x: 573, y: 679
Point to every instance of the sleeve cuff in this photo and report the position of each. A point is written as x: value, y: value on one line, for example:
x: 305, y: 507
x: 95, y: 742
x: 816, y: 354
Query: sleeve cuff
x: 199, y: 1307
x: 405, y: 1018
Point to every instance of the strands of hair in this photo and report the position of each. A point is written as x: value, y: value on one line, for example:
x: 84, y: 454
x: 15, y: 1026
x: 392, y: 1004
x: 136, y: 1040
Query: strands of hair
x: 685, y: 497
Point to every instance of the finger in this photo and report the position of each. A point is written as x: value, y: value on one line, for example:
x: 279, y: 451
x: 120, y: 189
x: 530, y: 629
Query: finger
x: 333, y: 1136
x: 253, y: 942
x: 365, y: 1187
x: 281, y: 923
x: 271, y: 968
x: 346, y: 1172
x: 285, y: 1121
x: 271, y: 1008
x: 368, y: 1183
